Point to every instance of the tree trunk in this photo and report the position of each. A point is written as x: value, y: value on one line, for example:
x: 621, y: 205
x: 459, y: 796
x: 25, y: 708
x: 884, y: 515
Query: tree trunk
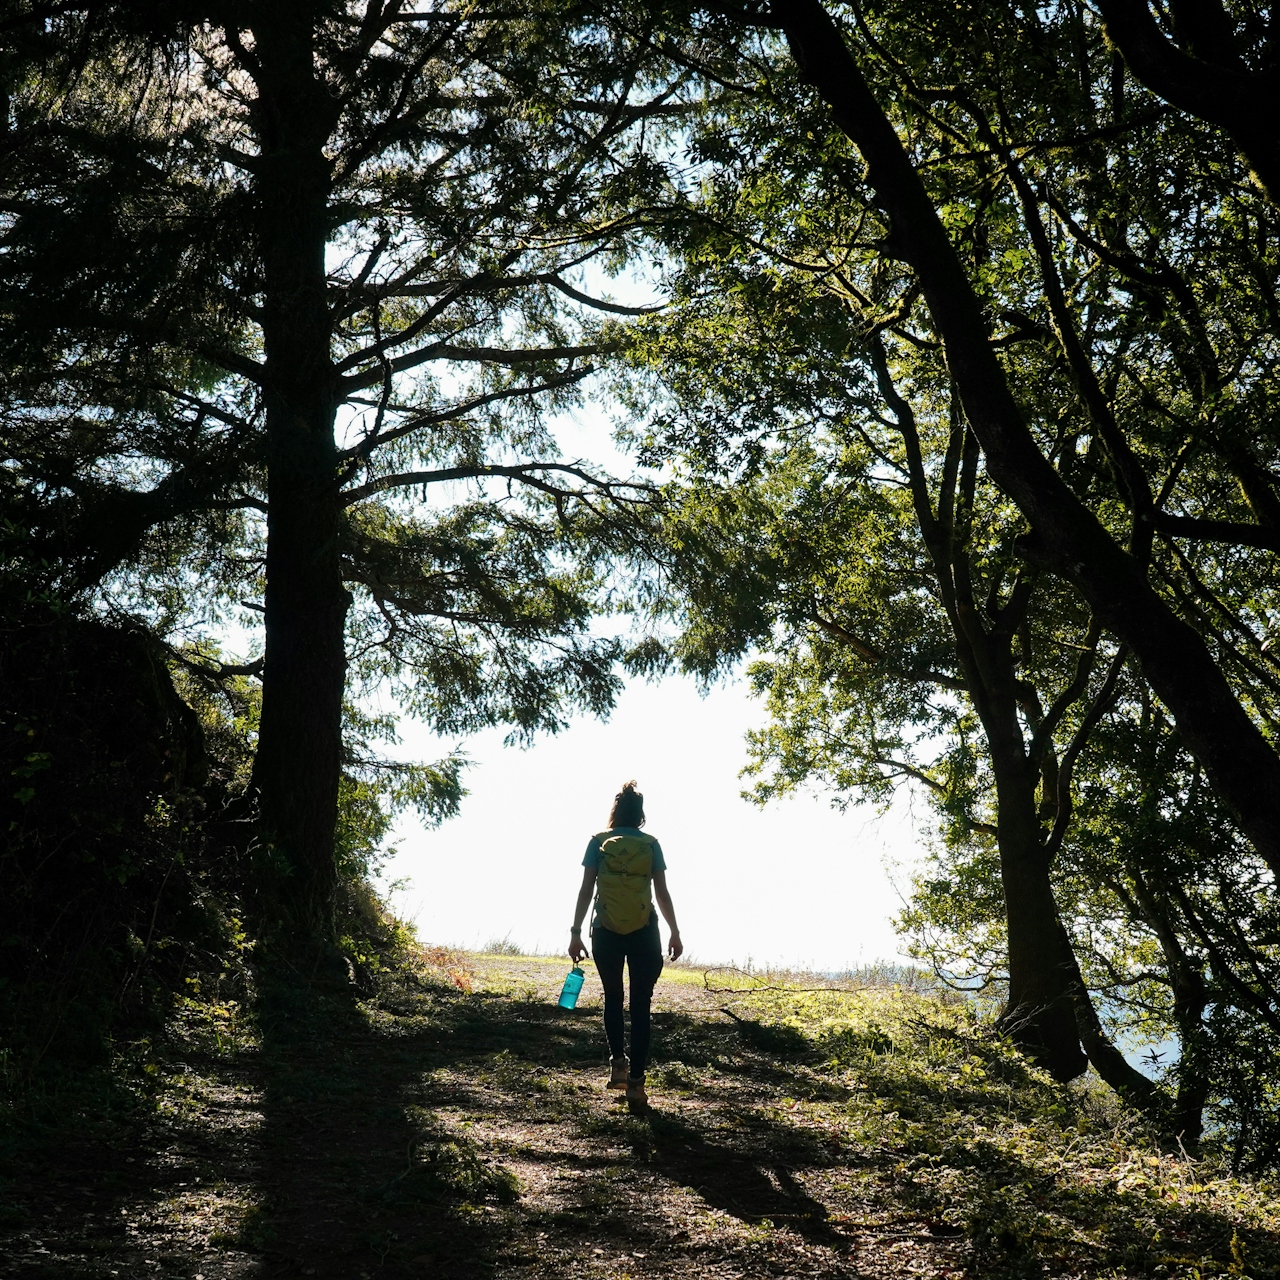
x: 298, y: 762
x: 1050, y: 1014
x: 1040, y: 1014
x: 1065, y: 535
x: 1208, y: 79
x: 1190, y: 999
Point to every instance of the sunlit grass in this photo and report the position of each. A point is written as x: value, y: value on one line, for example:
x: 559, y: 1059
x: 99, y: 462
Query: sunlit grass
x: 975, y: 1137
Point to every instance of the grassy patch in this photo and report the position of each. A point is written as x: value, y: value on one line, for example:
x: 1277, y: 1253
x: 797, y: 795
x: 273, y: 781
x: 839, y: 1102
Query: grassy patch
x: 968, y: 1135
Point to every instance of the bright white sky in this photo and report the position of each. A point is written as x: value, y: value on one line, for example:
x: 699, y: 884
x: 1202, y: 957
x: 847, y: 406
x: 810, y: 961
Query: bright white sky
x: 796, y: 883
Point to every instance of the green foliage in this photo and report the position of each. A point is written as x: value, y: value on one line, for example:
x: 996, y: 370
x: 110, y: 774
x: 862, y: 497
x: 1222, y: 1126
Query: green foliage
x: 830, y: 520
x: 971, y: 1138
x: 195, y: 441
x: 374, y: 791
x: 446, y: 1169
x: 133, y: 393
x: 501, y: 947
x: 371, y: 937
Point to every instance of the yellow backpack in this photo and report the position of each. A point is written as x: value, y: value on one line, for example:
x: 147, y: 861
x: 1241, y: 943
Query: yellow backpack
x: 624, y: 901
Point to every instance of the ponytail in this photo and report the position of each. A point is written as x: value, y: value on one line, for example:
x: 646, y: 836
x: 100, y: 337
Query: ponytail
x: 628, y: 807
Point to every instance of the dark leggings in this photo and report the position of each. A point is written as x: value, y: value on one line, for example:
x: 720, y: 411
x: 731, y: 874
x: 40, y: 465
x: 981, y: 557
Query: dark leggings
x: 642, y: 950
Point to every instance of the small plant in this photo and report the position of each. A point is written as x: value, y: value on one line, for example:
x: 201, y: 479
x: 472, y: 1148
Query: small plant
x: 253, y: 1232
x: 446, y: 1168
x: 453, y: 965
x: 502, y: 947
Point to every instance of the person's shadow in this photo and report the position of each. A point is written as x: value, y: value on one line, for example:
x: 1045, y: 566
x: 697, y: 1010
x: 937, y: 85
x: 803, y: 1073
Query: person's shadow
x: 753, y: 1179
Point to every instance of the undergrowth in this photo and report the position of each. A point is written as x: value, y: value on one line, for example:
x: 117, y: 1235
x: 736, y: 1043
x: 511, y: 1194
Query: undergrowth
x: 983, y: 1145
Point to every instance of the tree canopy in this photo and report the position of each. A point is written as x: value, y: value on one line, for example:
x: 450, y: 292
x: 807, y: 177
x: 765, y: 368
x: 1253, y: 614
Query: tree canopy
x: 945, y: 340
x: 923, y: 405
x: 289, y: 306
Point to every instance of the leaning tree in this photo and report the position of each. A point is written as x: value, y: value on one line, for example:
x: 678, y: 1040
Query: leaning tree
x: 854, y: 76
x: 1112, y: 278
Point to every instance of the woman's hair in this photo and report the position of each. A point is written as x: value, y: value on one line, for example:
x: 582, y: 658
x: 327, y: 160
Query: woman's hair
x: 628, y: 807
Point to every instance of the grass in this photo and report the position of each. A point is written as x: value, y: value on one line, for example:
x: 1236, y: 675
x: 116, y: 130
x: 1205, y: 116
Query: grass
x: 501, y: 947
x: 445, y: 1119
x: 980, y: 1145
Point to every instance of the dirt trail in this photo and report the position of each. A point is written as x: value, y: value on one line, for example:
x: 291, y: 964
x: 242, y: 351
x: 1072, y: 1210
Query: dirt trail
x: 445, y: 1134
x: 435, y: 1132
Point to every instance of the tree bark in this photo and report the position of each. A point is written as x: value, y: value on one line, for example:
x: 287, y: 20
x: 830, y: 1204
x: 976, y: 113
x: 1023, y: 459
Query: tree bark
x: 1190, y: 999
x: 1110, y: 1064
x: 298, y: 762
x: 1040, y: 1013
x: 1050, y: 1013
x: 1039, y: 1016
x: 1065, y: 536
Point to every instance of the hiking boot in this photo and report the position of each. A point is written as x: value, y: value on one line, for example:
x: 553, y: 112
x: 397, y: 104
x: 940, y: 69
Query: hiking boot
x: 617, y: 1073
x: 637, y: 1099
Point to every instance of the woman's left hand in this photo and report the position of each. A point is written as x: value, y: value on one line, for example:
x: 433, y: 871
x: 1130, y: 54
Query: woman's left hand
x: 675, y: 948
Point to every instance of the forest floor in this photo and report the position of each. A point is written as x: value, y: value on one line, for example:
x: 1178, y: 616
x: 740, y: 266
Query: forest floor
x: 453, y: 1123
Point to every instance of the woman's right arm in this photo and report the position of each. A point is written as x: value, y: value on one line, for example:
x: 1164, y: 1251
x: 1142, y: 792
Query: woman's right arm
x: 576, y: 949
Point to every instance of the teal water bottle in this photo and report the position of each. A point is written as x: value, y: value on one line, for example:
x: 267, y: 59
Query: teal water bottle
x: 572, y: 986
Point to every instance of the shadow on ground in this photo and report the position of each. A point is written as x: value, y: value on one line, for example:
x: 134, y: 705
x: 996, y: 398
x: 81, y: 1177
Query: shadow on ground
x: 97, y: 1181
x: 351, y: 1188
x: 431, y: 1132
x: 375, y: 1166
x: 755, y: 1181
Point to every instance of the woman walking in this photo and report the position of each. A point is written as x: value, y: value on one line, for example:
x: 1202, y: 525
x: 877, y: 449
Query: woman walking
x: 625, y: 868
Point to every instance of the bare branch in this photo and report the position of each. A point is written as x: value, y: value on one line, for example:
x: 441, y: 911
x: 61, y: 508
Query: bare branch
x: 526, y: 474
x: 510, y: 357
x: 1097, y: 709
x: 376, y: 440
